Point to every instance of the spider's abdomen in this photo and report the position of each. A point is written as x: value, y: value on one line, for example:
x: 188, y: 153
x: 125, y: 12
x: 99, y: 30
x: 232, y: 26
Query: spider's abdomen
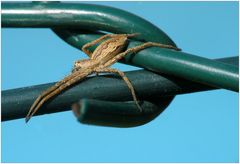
x: 109, y: 49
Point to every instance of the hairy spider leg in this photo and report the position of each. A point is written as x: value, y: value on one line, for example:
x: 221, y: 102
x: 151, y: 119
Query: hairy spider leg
x: 58, y: 84
x: 48, y: 91
x: 52, y: 89
x: 66, y: 82
x: 137, y: 49
x: 123, y: 76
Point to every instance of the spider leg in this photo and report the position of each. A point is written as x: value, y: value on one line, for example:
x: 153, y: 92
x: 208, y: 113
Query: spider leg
x: 137, y: 49
x: 51, y: 89
x: 45, y: 93
x: 123, y: 76
x: 63, y: 84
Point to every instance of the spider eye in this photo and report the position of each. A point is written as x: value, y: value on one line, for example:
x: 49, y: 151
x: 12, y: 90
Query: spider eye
x: 77, y: 64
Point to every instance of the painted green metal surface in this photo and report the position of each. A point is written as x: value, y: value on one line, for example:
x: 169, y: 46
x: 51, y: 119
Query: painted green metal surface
x: 148, y: 85
x: 80, y: 16
x: 118, y: 114
x: 96, y: 17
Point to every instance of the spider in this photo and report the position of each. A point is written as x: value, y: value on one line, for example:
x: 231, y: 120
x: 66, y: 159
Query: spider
x: 105, y: 55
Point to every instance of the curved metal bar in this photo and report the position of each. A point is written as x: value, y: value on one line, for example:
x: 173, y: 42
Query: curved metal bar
x: 17, y: 102
x: 118, y: 114
x: 96, y: 17
x: 80, y: 16
x: 176, y: 63
x: 148, y: 86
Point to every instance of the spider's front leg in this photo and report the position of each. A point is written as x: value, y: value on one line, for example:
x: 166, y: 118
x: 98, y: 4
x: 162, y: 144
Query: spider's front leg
x: 56, y: 89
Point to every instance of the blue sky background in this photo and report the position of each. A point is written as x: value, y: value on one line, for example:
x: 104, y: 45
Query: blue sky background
x: 198, y: 127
